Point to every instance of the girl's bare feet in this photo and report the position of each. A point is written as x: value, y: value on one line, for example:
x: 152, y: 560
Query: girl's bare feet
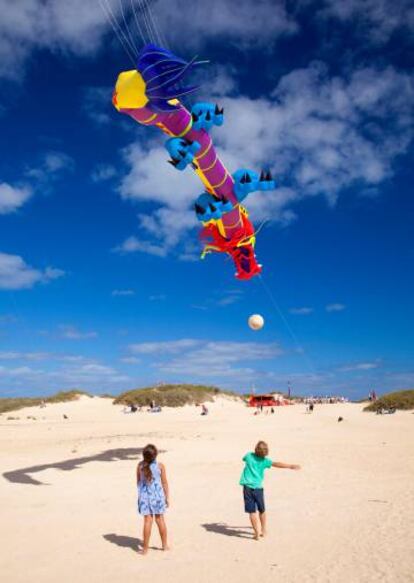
x: 256, y: 536
x: 264, y: 533
x: 166, y: 548
x: 143, y: 551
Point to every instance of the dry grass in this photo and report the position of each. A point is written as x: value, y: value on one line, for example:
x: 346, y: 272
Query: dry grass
x: 7, y: 405
x: 171, y: 395
x: 400, y: 400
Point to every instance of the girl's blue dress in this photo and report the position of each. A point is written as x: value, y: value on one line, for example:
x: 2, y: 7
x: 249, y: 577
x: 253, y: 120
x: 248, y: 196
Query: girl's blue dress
x: 151, y: 497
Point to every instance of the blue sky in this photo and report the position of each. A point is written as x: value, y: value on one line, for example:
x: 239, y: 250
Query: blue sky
x: 101, y: 286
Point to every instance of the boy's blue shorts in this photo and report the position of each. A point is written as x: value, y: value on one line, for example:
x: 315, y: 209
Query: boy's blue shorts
x: 253, y: 500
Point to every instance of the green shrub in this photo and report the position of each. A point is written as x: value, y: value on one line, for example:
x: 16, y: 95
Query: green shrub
x: 171, y: 395
x: 7, y: 405
x: 400, y: 400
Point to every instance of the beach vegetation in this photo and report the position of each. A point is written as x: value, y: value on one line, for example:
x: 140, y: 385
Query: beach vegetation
x: 403, y: 400
x: 172, y: 395
x: 14, y: 404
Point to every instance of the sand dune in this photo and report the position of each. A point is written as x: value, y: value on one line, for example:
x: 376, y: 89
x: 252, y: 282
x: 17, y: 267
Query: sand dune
x: 69, y: 497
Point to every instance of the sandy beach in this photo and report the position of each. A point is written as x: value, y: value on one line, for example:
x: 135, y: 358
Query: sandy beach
x: 69, y: 496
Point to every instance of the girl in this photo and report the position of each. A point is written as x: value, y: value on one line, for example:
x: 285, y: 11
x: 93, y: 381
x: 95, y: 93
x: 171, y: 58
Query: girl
x: 153, y: 495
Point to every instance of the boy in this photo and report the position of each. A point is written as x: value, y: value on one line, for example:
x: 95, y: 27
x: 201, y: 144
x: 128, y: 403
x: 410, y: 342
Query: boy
x: 252, y: 479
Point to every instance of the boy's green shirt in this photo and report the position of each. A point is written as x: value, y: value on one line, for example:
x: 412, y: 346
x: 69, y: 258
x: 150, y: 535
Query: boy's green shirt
x: 253, y: 473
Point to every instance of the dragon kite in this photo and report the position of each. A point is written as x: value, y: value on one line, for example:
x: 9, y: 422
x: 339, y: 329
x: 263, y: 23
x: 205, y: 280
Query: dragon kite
x: 150, y: 95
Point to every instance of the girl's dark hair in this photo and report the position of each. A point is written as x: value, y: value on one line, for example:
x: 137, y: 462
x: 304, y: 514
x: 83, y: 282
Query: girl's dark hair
x: 149, y: 453
x: 261, y: 449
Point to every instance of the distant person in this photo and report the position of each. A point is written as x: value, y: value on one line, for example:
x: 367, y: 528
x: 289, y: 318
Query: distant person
x: 134, y: 408
x: 204, y: 410
x: 153, y: 495
x: 252, y: 479
x: 156, y: 409
x: 311, y: 405
x: 272, y: 410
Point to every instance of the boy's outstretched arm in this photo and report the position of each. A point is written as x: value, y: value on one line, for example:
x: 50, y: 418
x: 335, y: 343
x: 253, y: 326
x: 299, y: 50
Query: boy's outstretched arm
x: 285, y: 466
x: 164, y: 483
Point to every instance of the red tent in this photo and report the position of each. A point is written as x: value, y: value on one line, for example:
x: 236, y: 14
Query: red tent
x: 262, y: 401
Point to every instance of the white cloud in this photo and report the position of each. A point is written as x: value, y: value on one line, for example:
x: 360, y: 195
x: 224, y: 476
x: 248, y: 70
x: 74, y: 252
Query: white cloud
x: 151, y: 178
x: 321, y: 135
x: 335, y: 307
x: 15, y: 273
x: 241, y: 22
x: 220, y: 359
x: 90, y: 375
x: 72, y: 333
x: 123, y: 292
x: 304, y: 311
x: 229, y: 297
x: 190, y: 251
x: 9, y: 355
x: 376, y: 20
x: 165, y: 347
x: 201, y: 359
x: 220, y: 298
x: 130, y: 360
x: 220, y: 79
x: 97, y: 104
x: 72, y: 358
x: 50, y: 168
x: 103, y: 172
x: 360, y: 366
x: 27, y: 25
x: 41, y: 356
x: 78, y: 27
x: 59, y: 370
x: 132, y: 245
x: 13, y: 197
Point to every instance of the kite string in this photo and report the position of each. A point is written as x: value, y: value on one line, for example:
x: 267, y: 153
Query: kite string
x: 151, y: 19
x: 115, y: 26
x: 131, y: 39
x: 130, y: 44
x: 288, y: 327
x: 157, y: 28
x: 138, y: 25
x: 141, y: 4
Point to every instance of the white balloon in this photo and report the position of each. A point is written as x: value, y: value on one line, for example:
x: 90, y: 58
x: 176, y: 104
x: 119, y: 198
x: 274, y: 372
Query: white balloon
x: 256, y: 321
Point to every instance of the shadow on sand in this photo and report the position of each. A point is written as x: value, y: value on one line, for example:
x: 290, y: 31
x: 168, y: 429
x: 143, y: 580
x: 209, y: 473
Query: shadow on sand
x: 23, y: 475
x: 127, y: 542
x: 222, y: 528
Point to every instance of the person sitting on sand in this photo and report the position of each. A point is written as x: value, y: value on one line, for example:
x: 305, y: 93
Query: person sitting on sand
x: 153, y: 495
x: 204, y: 410
x: 252, y: 479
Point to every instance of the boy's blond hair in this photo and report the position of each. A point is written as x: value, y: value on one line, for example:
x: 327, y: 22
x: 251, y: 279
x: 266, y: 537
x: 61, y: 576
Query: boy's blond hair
x: 261, y: 449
